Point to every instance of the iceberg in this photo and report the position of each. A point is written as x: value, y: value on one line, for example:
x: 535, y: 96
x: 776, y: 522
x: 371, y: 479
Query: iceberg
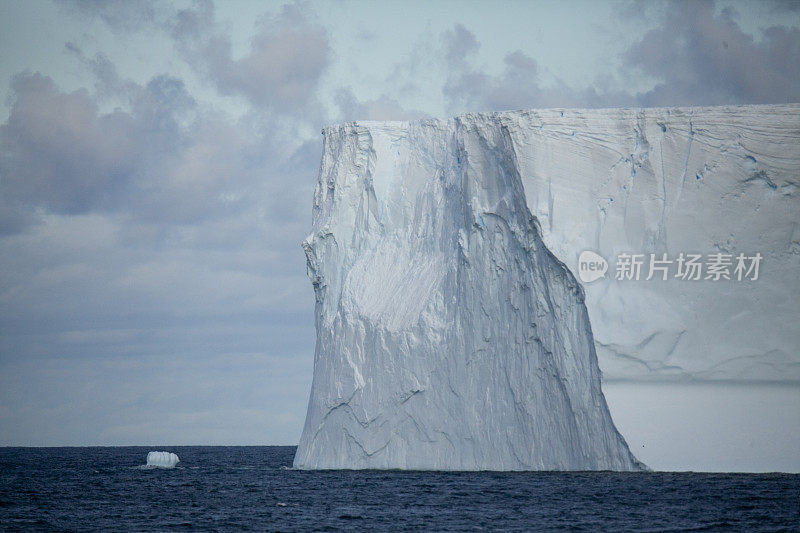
x: 449, y: 337
x: 162, y: 459
x: 452, y: 331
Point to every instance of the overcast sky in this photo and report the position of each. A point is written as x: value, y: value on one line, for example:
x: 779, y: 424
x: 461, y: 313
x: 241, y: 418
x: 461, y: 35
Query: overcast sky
x: 157, y: 164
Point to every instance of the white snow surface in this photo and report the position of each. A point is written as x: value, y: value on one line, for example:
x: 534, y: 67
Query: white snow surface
x: 162, y: 459
x: 448, y: 334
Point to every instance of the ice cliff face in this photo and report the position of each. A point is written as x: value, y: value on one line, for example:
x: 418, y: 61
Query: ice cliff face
x: 448, y: 335
x: 703, y: 180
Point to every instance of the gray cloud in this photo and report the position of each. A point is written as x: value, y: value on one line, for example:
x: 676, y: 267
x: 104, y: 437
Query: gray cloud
x: 695, y: 55
x: 700, y: 57
x: 785, y: 6
x: 460, y: 45
x: 164, y: 159
x: 108, y: 83
x: 468, y: 88
x: 281, y: 71
x: 60, y: 153
x: 382, y: 108
x: 118, y: 14
x: 287, y: 56
x: 518, y: 87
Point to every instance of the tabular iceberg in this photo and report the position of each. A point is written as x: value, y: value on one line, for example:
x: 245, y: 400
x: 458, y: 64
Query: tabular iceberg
x: 448, y: 335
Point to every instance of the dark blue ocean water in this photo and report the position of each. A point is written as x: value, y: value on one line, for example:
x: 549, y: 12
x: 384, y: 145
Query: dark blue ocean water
x: 253, y: 488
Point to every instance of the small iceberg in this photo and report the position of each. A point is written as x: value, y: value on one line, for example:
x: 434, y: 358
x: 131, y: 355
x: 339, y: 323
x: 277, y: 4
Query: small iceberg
x: 162, y: 460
